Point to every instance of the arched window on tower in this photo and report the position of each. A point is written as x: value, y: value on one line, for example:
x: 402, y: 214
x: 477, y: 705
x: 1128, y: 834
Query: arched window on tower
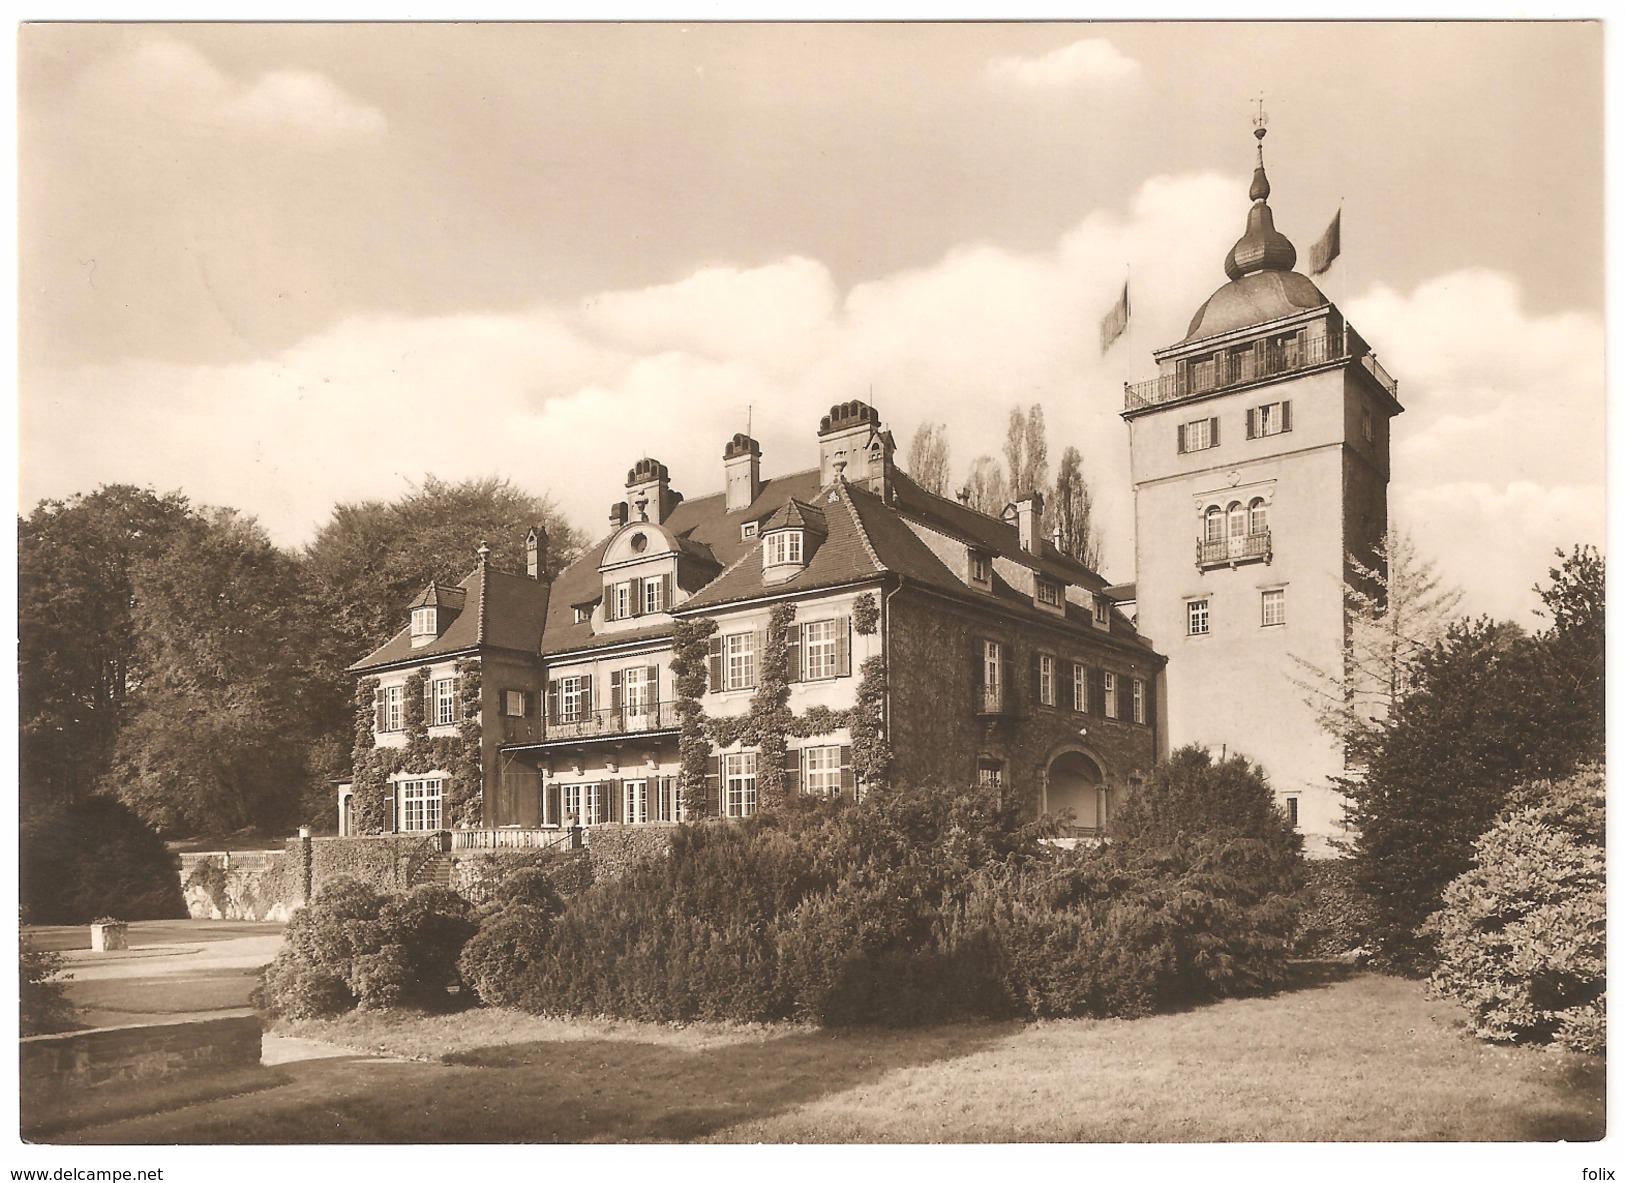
x: 1258, y: 516
x: 1215, y: 524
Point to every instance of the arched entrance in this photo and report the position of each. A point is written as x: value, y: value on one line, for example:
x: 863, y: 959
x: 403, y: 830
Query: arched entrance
x: 1075, y: 783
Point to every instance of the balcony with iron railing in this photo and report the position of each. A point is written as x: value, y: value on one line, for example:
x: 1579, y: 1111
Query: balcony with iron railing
x: 993, y: 701
x: 1234, y: 550
x: 1260, y: 362
x: 621, y: 720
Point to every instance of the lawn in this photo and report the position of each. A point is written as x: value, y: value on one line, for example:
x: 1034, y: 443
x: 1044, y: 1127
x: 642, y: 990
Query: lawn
x: 1357, y: 1059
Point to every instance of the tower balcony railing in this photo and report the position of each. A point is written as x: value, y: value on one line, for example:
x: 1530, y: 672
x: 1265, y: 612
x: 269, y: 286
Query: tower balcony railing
x: 621, y: 720
x: 1254, y: 547
x: 1255, y: 363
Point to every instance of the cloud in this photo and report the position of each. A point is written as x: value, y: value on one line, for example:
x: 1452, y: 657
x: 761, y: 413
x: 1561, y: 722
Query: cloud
x: 159, y: 79
x: 1497, y: 459
x: 1090, y: 62
x: 1499, y: 456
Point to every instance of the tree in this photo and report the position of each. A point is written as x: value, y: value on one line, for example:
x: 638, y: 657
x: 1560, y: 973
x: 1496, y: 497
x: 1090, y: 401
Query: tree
x: 1026, y: 452
x: 928, y: 458
x: 1074, y: 512
x: 1398, y: 607
x: 985, y: 483
x: 1015, y: 452
x: 217, y: 730
x: 1481, y: 717
x: 369, y: 560
x: 77, y: 654
x: 1574, y: 648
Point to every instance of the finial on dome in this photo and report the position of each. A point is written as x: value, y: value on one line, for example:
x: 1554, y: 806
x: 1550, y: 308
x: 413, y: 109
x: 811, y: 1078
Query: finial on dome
x: 1262, y: 247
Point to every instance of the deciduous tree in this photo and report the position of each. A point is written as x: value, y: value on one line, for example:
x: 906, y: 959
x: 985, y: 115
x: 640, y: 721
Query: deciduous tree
x: 928, y: 458
x: 1074, y: 512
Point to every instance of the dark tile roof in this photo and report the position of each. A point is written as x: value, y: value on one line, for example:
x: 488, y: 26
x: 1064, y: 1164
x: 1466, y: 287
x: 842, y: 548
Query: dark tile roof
x: 867, y: 538
x: 706, y: 533
x: 795, y: 514
x: 989, y: 534
x: 843, y: 557
x: 436, y: 596
x: 499, y: 609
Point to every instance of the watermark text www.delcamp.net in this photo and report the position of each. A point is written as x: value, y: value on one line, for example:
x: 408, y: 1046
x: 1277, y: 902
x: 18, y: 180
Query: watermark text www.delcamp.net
x: 75, y: 1175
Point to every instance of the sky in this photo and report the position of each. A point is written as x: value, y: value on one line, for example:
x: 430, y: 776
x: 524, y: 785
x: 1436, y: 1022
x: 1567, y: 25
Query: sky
x: 279, y: 267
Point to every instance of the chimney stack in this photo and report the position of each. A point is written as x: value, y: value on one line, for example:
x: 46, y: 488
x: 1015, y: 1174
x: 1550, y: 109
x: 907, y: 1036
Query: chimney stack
x: 964, y: 496
x: 536, y: 551
x: 852, y: 432
x: 741, y: 472
x: 617, y: 515
x: 1030, y: 521
x: 649, y: 480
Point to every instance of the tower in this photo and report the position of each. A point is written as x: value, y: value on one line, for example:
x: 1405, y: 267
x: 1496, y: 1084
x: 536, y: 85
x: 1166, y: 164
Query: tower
x: 1259, y: 456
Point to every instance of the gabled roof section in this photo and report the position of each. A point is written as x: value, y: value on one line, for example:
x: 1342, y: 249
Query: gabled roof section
x: 987, y: 534
x: 706, y: 533
x: 497, y: 610
x: 796, y: 514
x: 436, y: 596
x: 845, y: 556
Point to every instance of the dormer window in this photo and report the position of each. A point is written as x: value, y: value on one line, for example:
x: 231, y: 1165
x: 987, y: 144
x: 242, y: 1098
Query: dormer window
x: 979, y: 569
x: 747, y: 530
x: 1102, y: 610
x: 784, y: 547
x: 425, y: 625
x: 581, y: 613
x: 1049, y: 592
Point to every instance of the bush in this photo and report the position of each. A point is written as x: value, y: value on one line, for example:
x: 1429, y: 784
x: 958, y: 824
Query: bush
x: 913, y: 906
x: 1335, y: 918
x: 353, y: 946
x: 1522, y: 935
x: 79, y: 861
x: 43, y: 995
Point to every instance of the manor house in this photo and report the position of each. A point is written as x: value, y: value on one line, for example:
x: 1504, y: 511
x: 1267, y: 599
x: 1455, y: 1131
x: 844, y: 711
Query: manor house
x: 825, y: 630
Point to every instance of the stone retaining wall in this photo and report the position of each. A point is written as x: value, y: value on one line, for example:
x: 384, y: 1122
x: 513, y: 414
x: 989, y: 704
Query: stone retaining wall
x: 54, y: 1068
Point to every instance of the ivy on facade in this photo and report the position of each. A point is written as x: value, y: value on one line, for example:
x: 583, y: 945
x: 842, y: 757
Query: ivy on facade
x: 458, y: 757
x: 769, y: 722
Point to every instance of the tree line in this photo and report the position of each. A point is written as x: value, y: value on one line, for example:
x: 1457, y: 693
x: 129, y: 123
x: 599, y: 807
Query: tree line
x: 174, y: 659
x: 989, y: 486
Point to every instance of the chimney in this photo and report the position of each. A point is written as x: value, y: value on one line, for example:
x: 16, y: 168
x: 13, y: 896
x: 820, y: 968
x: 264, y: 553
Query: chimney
x: 964, y: 496
x: 741, y: 471
x: 852, y: 431
x: 1030, y: 521
x: 648, y: 480
x: 617, y: 515
x: 536, y: 551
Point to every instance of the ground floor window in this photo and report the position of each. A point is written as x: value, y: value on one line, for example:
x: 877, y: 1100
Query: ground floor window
x: 822, y: 770
x: 419, y: 803
x: 739, y: 784
x: 583, y: 803
x: 990, y: 772
x: 664, y: 805
x: 1292, y: 811
x: 635, y: 801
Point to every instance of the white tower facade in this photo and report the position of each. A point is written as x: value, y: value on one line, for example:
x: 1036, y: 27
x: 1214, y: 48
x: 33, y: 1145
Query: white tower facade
x: 1260, y: 464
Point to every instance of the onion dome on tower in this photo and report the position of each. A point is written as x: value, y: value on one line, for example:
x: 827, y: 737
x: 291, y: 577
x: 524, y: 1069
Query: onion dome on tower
x: 1263, y: 286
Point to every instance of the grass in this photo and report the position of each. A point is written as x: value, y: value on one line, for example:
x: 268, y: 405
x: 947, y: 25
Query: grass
x: 1362, y: 1059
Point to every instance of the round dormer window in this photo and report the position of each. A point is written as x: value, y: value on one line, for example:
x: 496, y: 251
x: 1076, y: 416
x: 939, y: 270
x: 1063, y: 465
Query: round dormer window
x: 639, y: 542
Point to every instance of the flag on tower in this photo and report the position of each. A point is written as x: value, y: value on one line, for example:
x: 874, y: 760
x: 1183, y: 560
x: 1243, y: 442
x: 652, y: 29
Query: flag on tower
x: 1115, y: 322
x: 1329, y: 246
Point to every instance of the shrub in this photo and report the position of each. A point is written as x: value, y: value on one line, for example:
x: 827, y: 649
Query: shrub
x: 354, y: 946
x: 43, y: 997
x: 1335, y: 917
x: 1521, y: 937
x: 912, y: 906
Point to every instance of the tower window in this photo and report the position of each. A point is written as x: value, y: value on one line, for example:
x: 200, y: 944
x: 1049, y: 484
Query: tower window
x: 1196, y: 617
x: 1258, y: 516
x: 1269, y: 419
x: 1274, y: 606
x: 1198, y: 435
x: 1292, y: 812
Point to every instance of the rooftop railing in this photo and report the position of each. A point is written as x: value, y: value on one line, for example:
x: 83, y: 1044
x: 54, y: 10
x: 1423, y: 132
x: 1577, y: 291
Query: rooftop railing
x: 1254, y: 363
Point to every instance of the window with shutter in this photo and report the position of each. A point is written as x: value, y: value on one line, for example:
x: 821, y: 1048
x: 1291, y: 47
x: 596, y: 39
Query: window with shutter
x: 1213, y: 432
x: 849, y: 779
x: 792, y: 645
x: 379, y: 719
x: 1286, y: 414
x: 1252, y: 424
x: 713, y: 785
x: 843, y: 647
x: 615, y: 677
x: 1182, y: 439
